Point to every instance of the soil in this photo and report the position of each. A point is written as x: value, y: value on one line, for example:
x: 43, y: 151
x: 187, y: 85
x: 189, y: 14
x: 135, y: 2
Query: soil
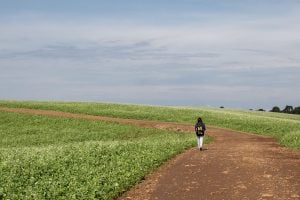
x: 235, y: 165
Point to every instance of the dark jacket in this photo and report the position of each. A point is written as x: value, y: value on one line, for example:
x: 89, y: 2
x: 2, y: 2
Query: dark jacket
x: 200, y: 129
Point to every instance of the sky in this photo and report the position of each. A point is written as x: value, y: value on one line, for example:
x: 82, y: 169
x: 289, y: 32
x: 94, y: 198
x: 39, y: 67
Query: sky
x: 231, y: 53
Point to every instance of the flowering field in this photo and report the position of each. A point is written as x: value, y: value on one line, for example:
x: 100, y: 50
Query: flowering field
x: 63, y: 158
x: 284, y: 127
x: 45, y: 157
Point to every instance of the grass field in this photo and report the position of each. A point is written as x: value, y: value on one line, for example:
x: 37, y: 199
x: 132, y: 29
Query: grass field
x: 284, y: 127
x: 63, y: 158
x: 45, y: 157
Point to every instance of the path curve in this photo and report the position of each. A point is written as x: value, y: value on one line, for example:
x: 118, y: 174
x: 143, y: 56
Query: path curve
x: 235, y: 166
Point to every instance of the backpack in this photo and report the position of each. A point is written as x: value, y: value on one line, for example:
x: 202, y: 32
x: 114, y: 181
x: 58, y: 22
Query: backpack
x: 200, y: 130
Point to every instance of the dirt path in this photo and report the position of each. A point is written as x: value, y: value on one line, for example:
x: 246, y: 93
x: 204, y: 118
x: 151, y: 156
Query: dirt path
x: 235, y: 166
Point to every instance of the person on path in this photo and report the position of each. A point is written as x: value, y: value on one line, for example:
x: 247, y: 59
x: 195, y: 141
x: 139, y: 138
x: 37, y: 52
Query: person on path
x: 200, y: 131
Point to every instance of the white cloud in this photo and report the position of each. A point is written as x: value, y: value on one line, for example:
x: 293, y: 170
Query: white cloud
x: 124, y: 60
x: 281, y: 40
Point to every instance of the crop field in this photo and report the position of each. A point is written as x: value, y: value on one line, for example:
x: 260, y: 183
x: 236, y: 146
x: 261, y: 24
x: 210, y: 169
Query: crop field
x: 284, y: 127
x: 45, y: 157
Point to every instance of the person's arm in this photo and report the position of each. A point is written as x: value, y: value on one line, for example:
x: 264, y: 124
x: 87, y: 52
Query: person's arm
x: 204, y: 128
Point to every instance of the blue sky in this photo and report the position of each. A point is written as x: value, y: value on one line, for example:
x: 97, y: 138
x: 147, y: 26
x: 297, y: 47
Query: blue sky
x: 242, y: 54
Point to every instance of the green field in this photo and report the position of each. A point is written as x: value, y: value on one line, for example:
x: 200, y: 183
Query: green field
x: 45, y: 157
x: 284, y: 127
x: 63, y: 158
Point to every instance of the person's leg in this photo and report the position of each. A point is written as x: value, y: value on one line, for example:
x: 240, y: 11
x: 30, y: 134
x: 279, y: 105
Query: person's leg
x: 201, y: 142
x: 198, y: 142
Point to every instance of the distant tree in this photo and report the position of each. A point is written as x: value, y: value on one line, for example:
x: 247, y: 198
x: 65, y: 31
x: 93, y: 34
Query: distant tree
x: 288, y: 109
x: 296, y: 110
x: 275, y: 109
x: 221, y: 106
x: 250, y: 109
x: 260, y: 109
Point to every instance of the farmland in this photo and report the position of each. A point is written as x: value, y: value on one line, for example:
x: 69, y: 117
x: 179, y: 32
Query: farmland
x: 284, y: 127
x: 45, y: 157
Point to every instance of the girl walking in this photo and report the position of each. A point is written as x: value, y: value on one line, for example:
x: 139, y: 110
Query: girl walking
x: 200, y: 131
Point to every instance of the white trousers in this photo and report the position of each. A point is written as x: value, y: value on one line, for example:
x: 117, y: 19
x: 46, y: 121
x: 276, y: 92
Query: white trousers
x: 200, y: 141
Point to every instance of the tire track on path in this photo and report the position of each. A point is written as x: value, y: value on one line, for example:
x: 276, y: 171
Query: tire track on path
x: 235, y: 166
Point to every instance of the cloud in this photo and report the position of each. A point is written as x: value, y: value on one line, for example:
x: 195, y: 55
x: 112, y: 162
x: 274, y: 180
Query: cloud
x: 193, y: 40
x: 117, y: 60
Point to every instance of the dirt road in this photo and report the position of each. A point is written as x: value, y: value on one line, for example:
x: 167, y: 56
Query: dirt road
x: 235, y: 166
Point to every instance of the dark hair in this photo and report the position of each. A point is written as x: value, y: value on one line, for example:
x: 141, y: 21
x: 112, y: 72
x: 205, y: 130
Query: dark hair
x: 200, y: 120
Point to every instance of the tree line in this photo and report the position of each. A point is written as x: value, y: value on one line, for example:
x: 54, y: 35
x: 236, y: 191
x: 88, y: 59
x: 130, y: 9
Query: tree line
x: 287, y: 109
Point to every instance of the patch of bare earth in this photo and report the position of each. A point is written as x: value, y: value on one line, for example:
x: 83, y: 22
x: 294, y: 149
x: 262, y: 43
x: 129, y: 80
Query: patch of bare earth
x: 235, y: 166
